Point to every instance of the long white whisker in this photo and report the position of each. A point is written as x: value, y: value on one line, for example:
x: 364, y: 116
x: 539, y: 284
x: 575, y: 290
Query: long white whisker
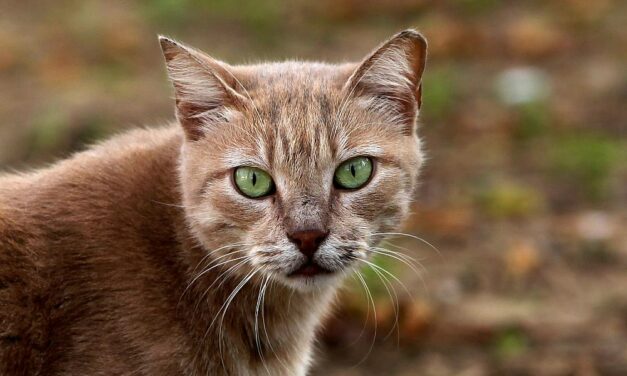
x: 409, y: 236
x: 262, y: 292
x: 207, y: 270
x: 371, y: 300
x: 226, y: 307
x: 222, y: 278
x: 229, y: 299
x: 390, y: 274
x: 363, y: 328
x: 233, y: 245
x: 422, y: 280
x: 395, y: 255
x: 403, y: 253
x: 385, y: 281
x: 263, y: 322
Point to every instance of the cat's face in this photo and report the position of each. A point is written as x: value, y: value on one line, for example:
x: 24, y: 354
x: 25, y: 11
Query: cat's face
x: 301, y: 167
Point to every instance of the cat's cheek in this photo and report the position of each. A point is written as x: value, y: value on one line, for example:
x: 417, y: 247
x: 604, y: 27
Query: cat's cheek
x: 370, y: 201
x: 381, y: 206
x: 236, y: 208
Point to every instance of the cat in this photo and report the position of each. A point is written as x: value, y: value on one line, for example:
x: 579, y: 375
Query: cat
x: 214, y: 245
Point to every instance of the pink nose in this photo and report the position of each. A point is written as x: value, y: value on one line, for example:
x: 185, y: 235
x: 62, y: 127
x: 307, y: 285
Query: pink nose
x: 307, y: 241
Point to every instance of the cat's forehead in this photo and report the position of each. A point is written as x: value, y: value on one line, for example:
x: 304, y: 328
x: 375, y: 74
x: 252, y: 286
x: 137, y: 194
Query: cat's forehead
x: 294, y: 109
x: 291, y: 73
x: 294, y: 83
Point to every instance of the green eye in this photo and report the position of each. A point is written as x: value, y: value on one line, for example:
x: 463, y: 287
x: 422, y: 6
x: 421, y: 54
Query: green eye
x: 353, y: 173
x: 253, y: 182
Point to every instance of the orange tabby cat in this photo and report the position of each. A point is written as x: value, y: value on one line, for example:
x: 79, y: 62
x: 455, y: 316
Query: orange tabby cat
x: 216, y: 245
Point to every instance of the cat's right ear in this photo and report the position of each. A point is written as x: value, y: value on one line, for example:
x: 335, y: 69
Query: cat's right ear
x: 205, y: 90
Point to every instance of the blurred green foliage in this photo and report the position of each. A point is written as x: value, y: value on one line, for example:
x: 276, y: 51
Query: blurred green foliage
x: 54, y: 133
x: 506, y: 199
x: 48, y: 132
x: 260, y: 16
x: 439, y: 91
x: 587, y: 161
x: 532, y: 120
x: 510, y: 343
x: 477, y: 6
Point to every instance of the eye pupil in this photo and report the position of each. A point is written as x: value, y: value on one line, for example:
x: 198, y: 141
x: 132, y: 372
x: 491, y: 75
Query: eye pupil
x: 353, y: 173
x: 253, y: 182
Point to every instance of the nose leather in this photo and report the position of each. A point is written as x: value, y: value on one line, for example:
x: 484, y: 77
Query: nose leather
x: 307, y: 241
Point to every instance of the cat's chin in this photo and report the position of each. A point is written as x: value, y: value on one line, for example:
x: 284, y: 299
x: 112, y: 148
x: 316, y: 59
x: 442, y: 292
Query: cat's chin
x: 312, y: 281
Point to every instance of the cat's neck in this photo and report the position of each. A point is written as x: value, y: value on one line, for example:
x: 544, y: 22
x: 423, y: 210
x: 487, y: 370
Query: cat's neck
x: 249, y: 321
x: 256, y: 325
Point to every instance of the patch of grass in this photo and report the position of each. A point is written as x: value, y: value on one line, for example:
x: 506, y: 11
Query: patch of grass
x: 533, y: 120
x: 260, y: 16
x: 596, y: 253
x: 439, y: 90
x: 477, y: 6
x: 48, y: 133
x: 586, y: 161
x: 91, y: 130
x: 510, y: 343
x: 169, y: 12
x: 506, y: 199
x: 53, y: 132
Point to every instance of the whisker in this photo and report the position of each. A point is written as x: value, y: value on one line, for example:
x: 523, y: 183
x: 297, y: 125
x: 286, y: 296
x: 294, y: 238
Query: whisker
x: 374, y: 312
x: 233, y: 245
x: 263, y: 321
x: 224, y: 308
x: 262, y: 292
x: 167, y: 204
x: 363, y: 328
x: 417, y: 272
x: 395, y: 255
x: 409, y: 236
x: 207, y: 270
x: 230, y: 298
x: 385, y: 281
x: 222, y: 278
x: 390, y: 274
x: 403, y: 254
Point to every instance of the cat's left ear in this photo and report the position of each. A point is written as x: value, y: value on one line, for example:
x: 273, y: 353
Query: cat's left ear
x: 206, y: 90
x: 388, y: 81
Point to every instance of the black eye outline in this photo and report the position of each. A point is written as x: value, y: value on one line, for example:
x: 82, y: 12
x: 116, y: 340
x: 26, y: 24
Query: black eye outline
x: 373, y: 163
x: 270, y: 193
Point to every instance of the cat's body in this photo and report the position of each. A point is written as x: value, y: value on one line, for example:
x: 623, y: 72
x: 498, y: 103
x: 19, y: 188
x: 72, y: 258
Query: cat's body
x: 126, y: 259
x: 94, y: 263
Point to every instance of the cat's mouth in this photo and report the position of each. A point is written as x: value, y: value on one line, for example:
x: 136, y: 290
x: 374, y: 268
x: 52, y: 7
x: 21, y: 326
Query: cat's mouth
x: 309, y: 269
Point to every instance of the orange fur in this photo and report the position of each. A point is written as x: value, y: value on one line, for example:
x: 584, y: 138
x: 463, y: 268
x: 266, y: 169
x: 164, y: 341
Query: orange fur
x: 122, y: 259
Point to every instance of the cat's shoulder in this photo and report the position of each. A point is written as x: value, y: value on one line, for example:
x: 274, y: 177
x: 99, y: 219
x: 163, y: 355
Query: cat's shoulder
x: 126, y: 148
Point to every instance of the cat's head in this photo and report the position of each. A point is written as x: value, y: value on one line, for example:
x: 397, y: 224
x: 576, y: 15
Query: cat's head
x: 294, y: 170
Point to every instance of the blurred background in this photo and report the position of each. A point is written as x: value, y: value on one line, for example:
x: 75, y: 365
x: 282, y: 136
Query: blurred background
x: 524, y: 196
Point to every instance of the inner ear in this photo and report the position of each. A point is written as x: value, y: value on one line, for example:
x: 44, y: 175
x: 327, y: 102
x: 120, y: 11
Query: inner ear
x: 206, y: 91
x: 388, y: 81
